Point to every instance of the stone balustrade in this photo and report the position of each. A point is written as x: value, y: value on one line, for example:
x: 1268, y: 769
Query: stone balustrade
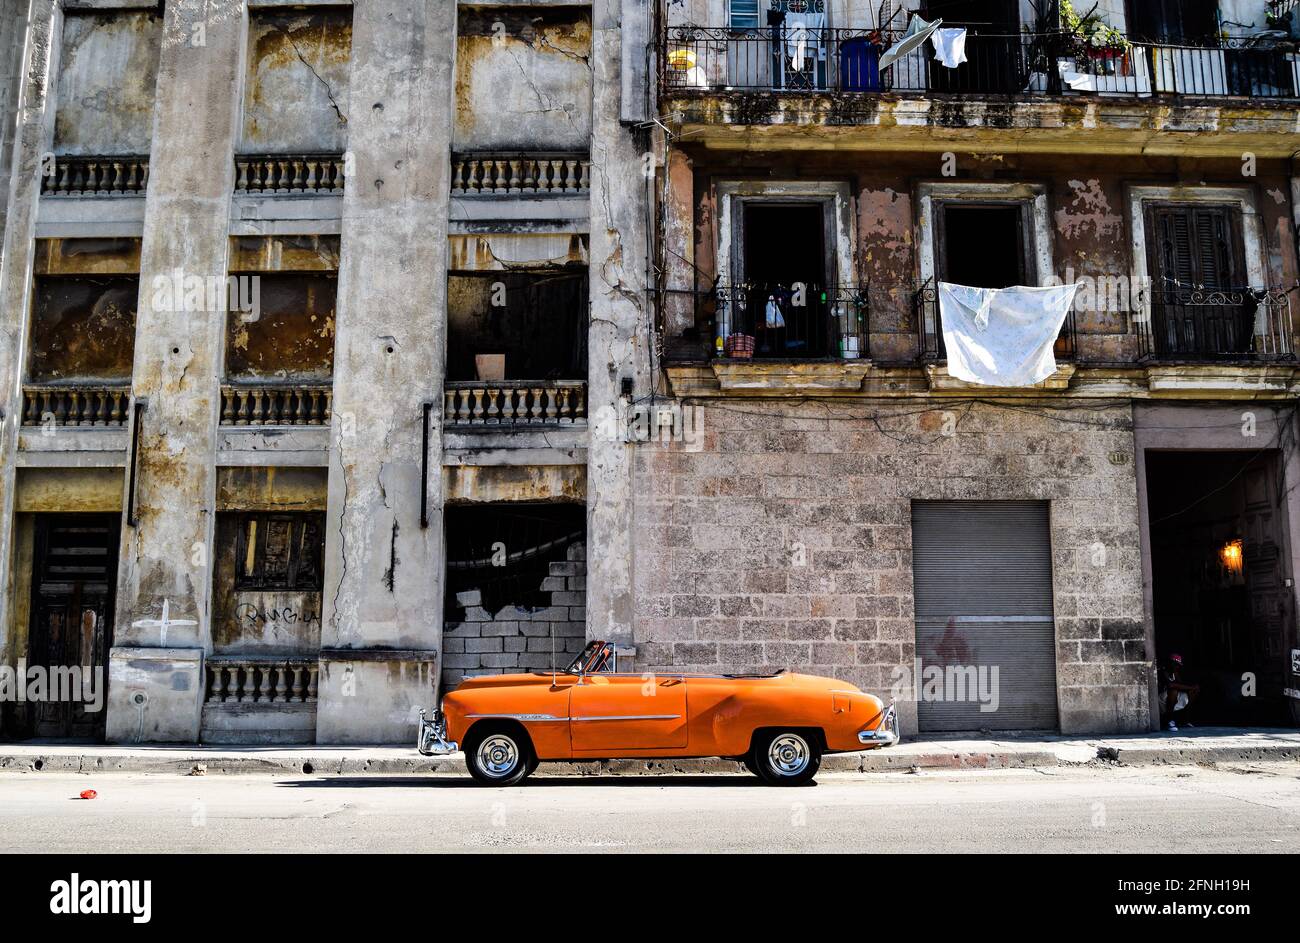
x: 260, y: 680
x: 276, y: 405
x: 59, y: 405
x: 96, y: 176
x: 505, y: 174
x: 289, y: 173
x: 515, y: 403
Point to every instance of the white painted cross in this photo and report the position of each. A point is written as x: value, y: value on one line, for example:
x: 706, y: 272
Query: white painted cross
x: 162, y: 623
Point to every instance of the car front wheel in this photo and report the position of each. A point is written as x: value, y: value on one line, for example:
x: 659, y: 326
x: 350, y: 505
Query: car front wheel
x: 785, y: 758
x: 499, y: 757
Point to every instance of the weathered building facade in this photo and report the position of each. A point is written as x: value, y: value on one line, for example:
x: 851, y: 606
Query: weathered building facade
x: 854, y: 507
x: 350, y: 349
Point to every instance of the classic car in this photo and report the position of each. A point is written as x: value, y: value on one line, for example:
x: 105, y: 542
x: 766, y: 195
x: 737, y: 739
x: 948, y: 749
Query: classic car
x: 779, y: 725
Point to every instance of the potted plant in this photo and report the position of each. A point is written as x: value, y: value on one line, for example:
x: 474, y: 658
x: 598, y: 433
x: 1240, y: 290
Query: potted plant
x: 1091, y: 35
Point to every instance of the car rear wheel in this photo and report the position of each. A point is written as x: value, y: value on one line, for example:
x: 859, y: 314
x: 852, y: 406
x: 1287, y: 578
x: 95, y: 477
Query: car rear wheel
x: 499, y: 756
x: 785, y: 758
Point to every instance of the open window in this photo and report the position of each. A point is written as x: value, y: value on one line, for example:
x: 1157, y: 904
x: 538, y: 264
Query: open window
x: 1176, y: 22
x: 983, y: 244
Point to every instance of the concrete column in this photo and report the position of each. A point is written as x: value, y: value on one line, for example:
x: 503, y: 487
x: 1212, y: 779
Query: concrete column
x: 619, y: 311
x: 33, y: 132
x: 155, y: 688
x: 383, y: 572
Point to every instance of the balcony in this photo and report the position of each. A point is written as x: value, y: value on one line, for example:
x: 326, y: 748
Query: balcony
x: 1223, y: 326
x: 712, y: 60
x: 520, y: 174
x: 770, y: 322
x: 498, y: 404
x: 1064, y: 97
x: 74, y: 404
x: 96, y: 176
x: 289, y: 173
x: 280, y: 404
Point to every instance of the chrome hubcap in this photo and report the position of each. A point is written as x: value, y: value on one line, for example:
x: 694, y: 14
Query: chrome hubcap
x: 789, y: 754
x: 497, y: 755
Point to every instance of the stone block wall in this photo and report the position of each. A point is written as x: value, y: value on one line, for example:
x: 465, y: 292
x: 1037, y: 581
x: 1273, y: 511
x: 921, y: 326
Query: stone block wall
x: 784, y: 540
x: 515, y: 639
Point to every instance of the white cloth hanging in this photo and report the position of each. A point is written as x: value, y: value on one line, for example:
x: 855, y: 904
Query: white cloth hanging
x: 803, y: 36
x: 949, y: 46
x: 1002, y: 336
x: 772, y: 314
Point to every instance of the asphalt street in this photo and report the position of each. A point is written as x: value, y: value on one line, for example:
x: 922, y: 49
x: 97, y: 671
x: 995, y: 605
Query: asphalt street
x: 1231, y: 808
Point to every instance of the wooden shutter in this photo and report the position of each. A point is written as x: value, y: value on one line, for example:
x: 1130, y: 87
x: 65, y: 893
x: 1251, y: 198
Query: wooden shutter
x: 1195, y: 246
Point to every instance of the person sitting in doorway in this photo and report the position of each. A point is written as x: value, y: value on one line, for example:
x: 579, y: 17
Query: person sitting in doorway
x: 1176, y: 695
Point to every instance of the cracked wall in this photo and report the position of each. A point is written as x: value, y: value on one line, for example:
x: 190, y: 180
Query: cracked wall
x: 108, y: 67
x: 523, y: 80
x: 296, y: 89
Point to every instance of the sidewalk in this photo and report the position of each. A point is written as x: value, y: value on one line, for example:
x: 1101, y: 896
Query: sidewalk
x: 1207, y: 745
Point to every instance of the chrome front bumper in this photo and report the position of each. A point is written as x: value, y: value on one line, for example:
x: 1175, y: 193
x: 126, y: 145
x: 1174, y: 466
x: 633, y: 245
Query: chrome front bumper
x: 431, y: 739
x: 886, y: 732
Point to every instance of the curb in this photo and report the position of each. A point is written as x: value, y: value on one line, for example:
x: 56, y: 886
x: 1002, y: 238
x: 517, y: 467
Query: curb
x: 876, y: 761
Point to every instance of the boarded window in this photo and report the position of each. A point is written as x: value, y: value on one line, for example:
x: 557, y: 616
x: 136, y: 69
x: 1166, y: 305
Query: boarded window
x: 290, y: 334
x: 1194, y: 246
x: 275, y: 552
x: 83, y: 328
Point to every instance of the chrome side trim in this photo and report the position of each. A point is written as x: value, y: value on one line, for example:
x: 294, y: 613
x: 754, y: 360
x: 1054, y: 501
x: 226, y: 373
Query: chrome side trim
x: 529, y: 717
x: 634, y: 717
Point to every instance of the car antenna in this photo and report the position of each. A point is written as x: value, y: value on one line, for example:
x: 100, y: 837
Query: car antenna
x: 554, y: 679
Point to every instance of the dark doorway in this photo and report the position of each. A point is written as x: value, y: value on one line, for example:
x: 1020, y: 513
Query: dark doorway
x: 982, y: 245
x: 1220, y: 581
x: 74, y: 578
x: 995, y: 51
x: 783, y: 300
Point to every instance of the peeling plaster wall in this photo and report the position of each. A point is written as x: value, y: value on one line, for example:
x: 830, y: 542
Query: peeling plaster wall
x: 523, y: 80
x: 296, y: 89
x: 1090, y: 229
x: 108, y: 67
x: 290, y: 335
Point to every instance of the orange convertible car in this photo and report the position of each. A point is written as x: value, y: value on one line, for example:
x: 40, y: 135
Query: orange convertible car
x: 780, y: 725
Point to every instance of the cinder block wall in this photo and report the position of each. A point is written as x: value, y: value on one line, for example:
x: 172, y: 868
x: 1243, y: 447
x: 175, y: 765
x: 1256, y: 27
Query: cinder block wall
x: 515, y: 639
x: 785, y: 540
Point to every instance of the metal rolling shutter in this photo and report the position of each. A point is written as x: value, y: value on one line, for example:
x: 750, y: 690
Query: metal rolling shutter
x: 983, y: 585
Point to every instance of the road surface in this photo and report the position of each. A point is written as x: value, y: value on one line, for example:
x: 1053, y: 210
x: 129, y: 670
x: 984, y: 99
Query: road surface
x: 1231, y: 808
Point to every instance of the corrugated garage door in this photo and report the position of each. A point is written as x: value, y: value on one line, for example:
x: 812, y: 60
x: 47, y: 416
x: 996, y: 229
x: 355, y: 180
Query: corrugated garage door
x: 983, y: 583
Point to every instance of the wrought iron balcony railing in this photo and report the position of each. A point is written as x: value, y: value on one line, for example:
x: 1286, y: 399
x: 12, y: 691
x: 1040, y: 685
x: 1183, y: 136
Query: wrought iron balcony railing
x: 698, y: 59
x: 771, y: 321
x: 1223, y: 325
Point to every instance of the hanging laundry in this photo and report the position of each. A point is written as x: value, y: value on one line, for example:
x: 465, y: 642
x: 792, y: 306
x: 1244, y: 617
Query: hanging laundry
x: 773, y: 314
x: 1002, y: 336
x: 803, y: 36
x: 918, y: 30
x: 949, y: 46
